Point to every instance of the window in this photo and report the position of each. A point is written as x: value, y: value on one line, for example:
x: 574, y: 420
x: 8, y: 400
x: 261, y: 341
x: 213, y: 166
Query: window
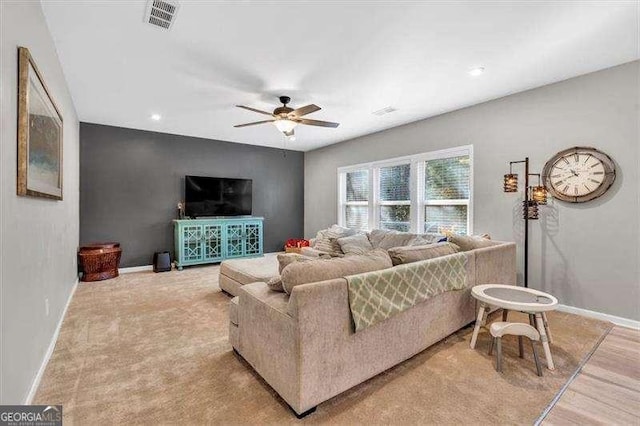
x: 430, y: 192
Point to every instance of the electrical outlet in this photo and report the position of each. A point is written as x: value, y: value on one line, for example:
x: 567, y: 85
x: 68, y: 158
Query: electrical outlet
x: 46, y: 306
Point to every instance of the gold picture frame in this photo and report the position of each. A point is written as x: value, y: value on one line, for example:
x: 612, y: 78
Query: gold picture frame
x: 40, y: 140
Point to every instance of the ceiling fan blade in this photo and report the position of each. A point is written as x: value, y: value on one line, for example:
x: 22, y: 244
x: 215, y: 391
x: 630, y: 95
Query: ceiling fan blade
x: 317, y: 122
x: 299, y: 112
x: 254, y: 110
x: 254, y: 123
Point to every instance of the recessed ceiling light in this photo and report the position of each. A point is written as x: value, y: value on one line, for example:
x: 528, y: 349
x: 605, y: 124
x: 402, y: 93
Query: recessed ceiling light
x: 476, y: 71
x: 156, y: 117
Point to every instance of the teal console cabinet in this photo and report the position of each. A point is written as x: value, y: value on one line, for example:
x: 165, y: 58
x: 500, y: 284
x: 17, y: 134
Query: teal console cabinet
x: 199, y: 241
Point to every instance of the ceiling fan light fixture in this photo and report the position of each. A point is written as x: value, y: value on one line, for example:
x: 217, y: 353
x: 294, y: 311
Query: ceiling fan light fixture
x: 285, y: 125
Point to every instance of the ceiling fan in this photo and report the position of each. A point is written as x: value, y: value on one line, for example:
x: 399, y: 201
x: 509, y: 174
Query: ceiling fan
x: 286, y: 119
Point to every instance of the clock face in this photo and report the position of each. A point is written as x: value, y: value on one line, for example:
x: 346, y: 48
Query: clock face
x: 579, y: 174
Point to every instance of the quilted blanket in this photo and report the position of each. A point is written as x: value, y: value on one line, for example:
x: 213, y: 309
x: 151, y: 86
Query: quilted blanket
x: 376, y: 296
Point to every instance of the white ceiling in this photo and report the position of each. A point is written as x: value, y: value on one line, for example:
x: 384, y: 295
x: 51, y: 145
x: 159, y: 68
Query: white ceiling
x: 350, y: 58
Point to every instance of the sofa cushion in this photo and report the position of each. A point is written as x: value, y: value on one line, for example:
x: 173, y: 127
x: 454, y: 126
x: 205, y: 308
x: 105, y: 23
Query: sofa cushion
x: 326, y: 240
x: 285, y: 259
x: 247, y: 271
x: 469, y: 242
x: 376, y: 236
x: 386, y: 239
x: 396, y: 239
x: 233, y: 310
x: 355, y: 244
x: 428, y: 238
x: 410, y: 254
x: 327, y: 269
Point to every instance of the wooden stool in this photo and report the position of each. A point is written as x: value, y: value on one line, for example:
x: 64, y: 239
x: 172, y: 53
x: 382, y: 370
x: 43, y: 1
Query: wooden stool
x: 499, y: 329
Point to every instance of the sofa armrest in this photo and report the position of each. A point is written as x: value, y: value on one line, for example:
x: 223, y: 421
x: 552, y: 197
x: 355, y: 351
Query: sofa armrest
x: 496, y: 264
x: 268, y: 339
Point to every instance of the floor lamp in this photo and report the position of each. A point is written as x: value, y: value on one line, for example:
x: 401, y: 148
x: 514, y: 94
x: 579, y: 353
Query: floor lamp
x: 533, y: 197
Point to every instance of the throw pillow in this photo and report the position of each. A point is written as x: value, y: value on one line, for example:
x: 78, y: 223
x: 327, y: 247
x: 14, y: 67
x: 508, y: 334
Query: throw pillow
x: 326, y: 239
x: 355, y: 244
x: 322, y: 270
x: 468, y: 242
x: 410, y: 254
x: 286, y: 259
x: 275, y: 284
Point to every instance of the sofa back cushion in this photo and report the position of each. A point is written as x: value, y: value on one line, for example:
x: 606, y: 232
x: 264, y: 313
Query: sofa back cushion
x: 470, y: 242
x: 299, y: 273
x: 410, y: 254
x: 386, y: 239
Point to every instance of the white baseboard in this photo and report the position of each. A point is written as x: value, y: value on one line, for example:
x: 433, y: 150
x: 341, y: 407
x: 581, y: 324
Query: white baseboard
x: 52, y: 345
x: 135, y: 269
x: 624, y: 322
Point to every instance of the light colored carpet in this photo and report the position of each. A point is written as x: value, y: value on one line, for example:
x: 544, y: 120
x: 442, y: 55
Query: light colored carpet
x: 152, y: 348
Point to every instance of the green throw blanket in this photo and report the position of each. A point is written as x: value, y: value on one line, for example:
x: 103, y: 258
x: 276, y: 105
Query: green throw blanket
x: 376, y: 296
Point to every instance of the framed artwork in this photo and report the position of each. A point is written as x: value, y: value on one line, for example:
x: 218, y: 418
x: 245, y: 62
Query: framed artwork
x: 39, y: 134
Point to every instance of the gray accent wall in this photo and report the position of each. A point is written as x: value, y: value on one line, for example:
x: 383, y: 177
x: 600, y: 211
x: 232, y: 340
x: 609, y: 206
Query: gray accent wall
x: 585, y: 254
x: 38, y: 237
x: 132, y: 180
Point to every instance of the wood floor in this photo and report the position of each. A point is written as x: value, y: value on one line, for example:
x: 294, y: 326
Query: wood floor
x: 607, y: 389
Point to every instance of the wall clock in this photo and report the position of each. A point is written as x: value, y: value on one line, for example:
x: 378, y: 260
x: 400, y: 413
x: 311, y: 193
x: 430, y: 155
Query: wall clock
x: 579, y: 174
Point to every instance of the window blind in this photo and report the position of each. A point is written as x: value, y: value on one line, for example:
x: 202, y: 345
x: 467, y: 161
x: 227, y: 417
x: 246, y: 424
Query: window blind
x: 358, y: 185
x: 446, y: 194
x: 395, y: 195
x: 447, y: 178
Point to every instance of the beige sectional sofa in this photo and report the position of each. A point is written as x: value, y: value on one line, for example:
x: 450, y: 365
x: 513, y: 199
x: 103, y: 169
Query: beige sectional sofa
x: 304, y: 345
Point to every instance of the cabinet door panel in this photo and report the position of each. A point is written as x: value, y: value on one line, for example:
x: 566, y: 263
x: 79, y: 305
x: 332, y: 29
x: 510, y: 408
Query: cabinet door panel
x: 235, y: 239
x: 253, y: 238
x: 192, y: 243
x: 212, y: 242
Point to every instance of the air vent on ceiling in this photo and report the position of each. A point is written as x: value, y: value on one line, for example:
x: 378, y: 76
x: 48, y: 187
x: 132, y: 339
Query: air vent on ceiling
x: 161, y: 13
x: 385, y: 110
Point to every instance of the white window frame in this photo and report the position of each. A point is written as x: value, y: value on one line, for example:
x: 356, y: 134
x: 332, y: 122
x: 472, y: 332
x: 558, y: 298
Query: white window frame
x: 417, y: 201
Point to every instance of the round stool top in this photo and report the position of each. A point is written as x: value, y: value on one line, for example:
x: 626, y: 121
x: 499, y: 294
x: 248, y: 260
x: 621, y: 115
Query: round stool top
x: 93, y: 246
x: 515, y: 298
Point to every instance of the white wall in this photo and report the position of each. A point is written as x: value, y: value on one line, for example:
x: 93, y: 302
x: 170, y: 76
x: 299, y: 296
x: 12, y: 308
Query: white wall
x: 39, y: 237
x: 585, y: 254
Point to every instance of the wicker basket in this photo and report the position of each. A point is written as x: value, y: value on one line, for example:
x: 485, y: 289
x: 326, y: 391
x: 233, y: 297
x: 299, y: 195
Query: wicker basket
x: 99, y: 261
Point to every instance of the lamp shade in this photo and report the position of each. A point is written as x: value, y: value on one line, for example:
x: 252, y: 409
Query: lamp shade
x: 530, y: 210
x: 285, y: 125
x: 511, y: 182
x: 539, y: 194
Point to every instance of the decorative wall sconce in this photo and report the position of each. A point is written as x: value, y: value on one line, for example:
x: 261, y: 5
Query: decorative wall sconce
x: 533, y: 197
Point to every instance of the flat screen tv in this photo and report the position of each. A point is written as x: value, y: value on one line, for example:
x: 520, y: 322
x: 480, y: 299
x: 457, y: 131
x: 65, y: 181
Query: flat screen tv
x: 210, y: 196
